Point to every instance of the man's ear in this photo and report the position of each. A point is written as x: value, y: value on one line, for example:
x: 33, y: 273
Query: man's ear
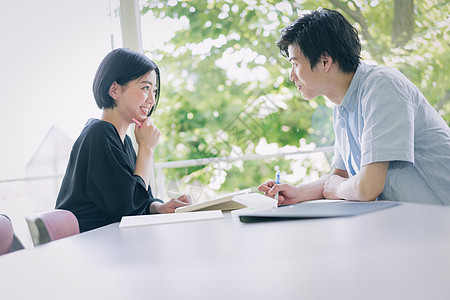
x: 113, y: 90
x: 326, y: 61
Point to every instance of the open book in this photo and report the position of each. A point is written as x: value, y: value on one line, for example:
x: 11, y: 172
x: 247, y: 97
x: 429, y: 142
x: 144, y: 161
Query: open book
x: 235, y: 201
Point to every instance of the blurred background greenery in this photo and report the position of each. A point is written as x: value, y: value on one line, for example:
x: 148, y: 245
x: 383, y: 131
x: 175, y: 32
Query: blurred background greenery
x: 226, y: 91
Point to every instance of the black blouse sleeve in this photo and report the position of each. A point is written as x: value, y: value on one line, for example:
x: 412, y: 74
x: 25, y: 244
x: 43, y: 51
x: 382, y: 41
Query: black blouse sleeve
x: 112, y: 186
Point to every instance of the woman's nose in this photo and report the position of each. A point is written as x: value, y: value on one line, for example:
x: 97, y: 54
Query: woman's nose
x: 151, y: 98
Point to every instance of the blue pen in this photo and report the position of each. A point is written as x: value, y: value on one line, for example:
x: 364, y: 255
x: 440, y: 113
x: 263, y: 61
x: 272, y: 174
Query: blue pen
x: 277, y: 179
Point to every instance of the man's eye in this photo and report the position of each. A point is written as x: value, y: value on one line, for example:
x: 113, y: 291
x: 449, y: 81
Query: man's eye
x: 146, y: 88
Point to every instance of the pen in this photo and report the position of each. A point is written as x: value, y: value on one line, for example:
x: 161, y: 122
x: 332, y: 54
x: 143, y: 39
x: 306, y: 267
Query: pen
x: 277, y: 179
x: 136, y: 122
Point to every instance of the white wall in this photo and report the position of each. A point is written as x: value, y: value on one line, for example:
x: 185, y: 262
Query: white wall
x: 49, y: 52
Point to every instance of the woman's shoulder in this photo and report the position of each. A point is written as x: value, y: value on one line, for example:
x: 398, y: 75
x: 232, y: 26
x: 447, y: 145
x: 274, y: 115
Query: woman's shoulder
x: 99, y: 132
x: 96, y: 125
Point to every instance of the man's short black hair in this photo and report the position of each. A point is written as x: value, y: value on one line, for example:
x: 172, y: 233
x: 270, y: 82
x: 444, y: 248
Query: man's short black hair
x: 323, y: 32
x: 122, y: 65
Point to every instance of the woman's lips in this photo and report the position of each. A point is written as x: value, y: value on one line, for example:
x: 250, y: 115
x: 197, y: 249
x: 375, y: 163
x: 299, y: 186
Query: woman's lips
x: 145, y: 110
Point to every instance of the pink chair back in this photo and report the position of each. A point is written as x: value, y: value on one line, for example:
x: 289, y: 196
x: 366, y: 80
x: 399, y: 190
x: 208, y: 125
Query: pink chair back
x: 6, y: 234
x: 52, y: 225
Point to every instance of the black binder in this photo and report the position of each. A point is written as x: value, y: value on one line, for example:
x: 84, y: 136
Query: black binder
x: 311, y: 210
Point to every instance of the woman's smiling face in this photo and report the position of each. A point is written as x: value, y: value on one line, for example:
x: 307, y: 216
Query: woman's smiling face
x: 137, y: 97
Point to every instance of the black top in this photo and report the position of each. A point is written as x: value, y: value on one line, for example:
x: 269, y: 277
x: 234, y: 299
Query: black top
x: 99, y: 186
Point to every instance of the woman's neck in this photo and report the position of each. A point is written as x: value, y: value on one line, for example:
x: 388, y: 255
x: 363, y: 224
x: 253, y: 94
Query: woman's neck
x: 112, y: 116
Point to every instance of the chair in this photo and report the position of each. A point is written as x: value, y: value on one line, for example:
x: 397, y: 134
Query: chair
x: 47, y: 226
x: 8, y: 241
x: 6, y: 234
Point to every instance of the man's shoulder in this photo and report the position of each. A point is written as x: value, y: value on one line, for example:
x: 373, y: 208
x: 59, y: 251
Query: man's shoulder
x: 378, y: 75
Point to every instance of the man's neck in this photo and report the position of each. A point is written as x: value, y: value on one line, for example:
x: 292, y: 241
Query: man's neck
x: 338, y: 86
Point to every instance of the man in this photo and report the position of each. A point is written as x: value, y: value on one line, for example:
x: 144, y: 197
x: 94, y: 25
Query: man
x: 390, y: 142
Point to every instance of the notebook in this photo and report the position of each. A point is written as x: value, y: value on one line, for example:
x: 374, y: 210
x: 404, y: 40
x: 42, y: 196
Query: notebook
x: 312, y: 210
x: 132, y: 221
x: 224, y: 203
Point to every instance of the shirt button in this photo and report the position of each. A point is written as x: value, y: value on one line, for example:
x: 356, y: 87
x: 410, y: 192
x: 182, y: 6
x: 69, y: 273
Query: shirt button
x: 341, y: 123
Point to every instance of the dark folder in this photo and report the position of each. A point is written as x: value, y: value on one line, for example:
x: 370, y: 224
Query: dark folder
x: 311, y: 210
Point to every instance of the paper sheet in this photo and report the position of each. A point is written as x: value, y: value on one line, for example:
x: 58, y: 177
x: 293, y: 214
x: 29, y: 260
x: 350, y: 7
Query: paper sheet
x: 131, y: 221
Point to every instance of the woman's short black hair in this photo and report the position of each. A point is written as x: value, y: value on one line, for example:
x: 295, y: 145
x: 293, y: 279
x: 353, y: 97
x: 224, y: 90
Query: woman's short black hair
x: 122, y: 65
x: 320, y: 32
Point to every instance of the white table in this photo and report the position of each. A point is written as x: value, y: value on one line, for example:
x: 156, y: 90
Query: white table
x: 397, y: 253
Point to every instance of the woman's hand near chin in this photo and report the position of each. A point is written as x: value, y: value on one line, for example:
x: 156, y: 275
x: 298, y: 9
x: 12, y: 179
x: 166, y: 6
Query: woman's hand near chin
x: 147, y: 136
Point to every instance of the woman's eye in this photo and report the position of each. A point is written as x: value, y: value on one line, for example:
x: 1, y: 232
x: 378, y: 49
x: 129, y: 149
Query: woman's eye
x: 146, y: 88
x: 155, y: 92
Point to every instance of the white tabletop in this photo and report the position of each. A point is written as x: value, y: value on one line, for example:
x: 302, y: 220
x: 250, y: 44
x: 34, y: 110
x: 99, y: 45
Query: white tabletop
x: 398, y: 253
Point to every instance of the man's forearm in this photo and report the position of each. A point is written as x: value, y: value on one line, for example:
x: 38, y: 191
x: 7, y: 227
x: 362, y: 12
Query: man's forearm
x: 367, y: 185
x: 312, y: 190
x: 349, y: 190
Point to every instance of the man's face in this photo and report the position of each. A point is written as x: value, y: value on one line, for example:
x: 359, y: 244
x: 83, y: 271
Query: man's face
x: 310, y: 83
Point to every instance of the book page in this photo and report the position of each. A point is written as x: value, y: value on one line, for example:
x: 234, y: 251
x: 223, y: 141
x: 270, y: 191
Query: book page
x: 222, y: 202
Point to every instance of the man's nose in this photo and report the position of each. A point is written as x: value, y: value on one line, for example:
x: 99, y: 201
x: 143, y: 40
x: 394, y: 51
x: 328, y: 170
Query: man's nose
x: 293, y: 77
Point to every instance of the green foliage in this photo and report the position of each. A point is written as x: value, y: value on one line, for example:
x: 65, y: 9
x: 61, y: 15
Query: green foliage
x: 225, y: 85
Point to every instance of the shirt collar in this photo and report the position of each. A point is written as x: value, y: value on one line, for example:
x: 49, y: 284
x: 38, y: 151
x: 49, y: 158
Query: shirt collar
x: 349, y: 102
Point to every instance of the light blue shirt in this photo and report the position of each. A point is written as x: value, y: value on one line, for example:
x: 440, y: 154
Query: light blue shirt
x: 384, y: 117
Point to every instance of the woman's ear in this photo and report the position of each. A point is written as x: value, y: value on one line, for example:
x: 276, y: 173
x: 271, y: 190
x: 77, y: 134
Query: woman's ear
x: 113, y: 90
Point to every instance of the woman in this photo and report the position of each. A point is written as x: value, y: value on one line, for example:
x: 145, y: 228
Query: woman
x: 105, y: 180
